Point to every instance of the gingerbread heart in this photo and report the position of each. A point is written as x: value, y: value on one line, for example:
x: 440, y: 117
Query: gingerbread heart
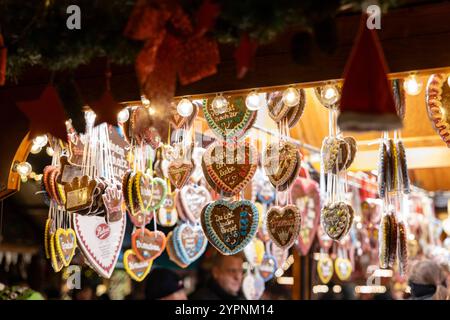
x: 179, y: 172
x: 56, y: 262
x: 343, y: 268
x: 148, y: 245
x: 337, y: 219
x: 99, y: 242
x: 231, y: 121
x: 230, y: 226
x: 283, y: 225
x: 325, y: 269
x: 47, y: 235
x: 253, y: 286
x: 268, y: 267
x: 193, y: 198
x: 277, y: 109
x: 136, y: 268
x: 305, y: 195
x: 282, y: 164
x: 150, y: 192
x: 229, y: 167
x: 66, y: 243
x: 170, y: 248
x: 438, y: 104
x: 189, y: 242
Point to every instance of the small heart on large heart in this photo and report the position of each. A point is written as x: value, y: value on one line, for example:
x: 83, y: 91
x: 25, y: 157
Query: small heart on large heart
x: 283, y: 225
x: 305, y: 195
x: 229, y: 167
x: 193, y: 199
x: 189, y: 242
x: 66, y: 243
x: 179, y: 172
x: 230, y: 226
x: 136, y: 268
x: 151, y: 192
x: 325, y: 269
x: 282, y: 164
x: 148, y: 245
x: 343, y: 268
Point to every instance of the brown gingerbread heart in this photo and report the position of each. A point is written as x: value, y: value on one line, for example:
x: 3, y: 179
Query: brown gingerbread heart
x: 148, y: 245
x: 179, y: 172
x: 283, y: 225
x: 229, y: 167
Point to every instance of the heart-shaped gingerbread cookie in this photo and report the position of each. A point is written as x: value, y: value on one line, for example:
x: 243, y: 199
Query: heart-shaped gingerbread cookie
x: 136, y: 269
x: 150, y: 192
x: 170, y: 248
x: 66, y: 243
x: 193, y: 198
x: 283, y: 225
x: 438, y: 105
x: 179, y: 172
x: 148, y: 245
x: 343, y: 268
x: 325, y: 269
x: 229, y: 167
x: 337, y: 219
x: 230, y: 226
x: 282, y: 164
x: 189, y: 242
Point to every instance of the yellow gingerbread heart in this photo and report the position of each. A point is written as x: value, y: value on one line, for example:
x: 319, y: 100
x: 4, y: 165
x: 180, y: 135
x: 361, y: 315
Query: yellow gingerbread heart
x: 325, y: 269
x: 136, y: 268
x: 56, y: 261
x: 66, y: 243
x: 343, y: 268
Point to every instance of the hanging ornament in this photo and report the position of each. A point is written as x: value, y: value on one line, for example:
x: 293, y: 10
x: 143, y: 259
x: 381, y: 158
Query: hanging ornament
x: 185, y: 107
x: 253, y: 101
x: 291, y: 97
x: 412, y: 85
x: 437, y: 97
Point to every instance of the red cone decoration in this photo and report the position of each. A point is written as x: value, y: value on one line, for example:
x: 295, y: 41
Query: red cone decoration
x: 367, y: 102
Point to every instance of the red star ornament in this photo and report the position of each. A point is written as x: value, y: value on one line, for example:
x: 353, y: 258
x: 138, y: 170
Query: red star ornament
x: 45, y: 114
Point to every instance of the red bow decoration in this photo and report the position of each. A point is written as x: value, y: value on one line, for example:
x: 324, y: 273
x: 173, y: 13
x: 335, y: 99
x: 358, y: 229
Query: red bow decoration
x: 173, y: 46
x: 2, y: 61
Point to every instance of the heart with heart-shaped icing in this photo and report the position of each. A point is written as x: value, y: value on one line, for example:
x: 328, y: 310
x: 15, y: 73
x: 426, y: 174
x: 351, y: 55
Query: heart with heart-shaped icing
x: 100, y: 242
x: 336, y: 219
x: 305, y: 195
x: 230, y: 226
x: 193, y: 199
x: 148, y: 245
x: 189, y: 242
x: 325, y: 269
x: 268, y: 267
x: 283, y: 225
x: 150, y: 192
x: 254, y: 252
x: 136, y: 269
x: 253, y: 286
x: 343, y: 268
x: 179, y: 172
x: 231, y: 121
x: 66, y: 243
x: 281, y: 163
x: 229, y: 167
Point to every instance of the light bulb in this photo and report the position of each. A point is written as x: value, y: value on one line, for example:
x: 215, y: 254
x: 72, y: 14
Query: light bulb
x: 329, y: 94
x: 24, y: 178
x: 50, y: 151
x: 35, y: 148
x: 448, y: 81
x: 89, y: 117
x: 40, y: 141
x: 185, y: 107
x: 152, y: 111
x: 253, y: 101
x: 291, y: 97
x: 123, y: 115
x: 145, y: 101
x: 219, y: 104
x: 412, y: 85
x: 24, y: 169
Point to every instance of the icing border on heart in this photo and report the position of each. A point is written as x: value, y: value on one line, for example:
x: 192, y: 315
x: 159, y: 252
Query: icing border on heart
x: 178, y: 244
x: 65, y: 232
x: 130, y: 272
x: 147, y: 233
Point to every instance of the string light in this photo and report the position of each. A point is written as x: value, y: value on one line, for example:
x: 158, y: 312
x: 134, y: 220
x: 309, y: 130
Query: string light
x: 123, y: 115
x: 329, y: 94
x: 185, y: 107
x: 35, y: 148
x: 50, y: 151
x: 24, y: 169
x: 291, y: 97
x: 145, y: 101
x: 253, y: 101
x: 40, y: 141
x: 219, y: 104
x: 151, y: 111
x: 412, y: 85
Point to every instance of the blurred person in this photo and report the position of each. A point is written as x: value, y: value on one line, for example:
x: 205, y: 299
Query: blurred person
x: 225, y: 280
x: 164, y: 284
x: 427, y: 281
x: 85, y: 293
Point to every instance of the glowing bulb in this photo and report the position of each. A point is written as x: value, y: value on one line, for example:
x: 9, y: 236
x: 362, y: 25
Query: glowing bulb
x: 40, y: 141
x: 253, y: 101
x: 32, y: 175
x: 412, y: 85
x: 35, y: 148
x: 291, y: 97
x: 38, y: 177
x: 330, y: 94
x: 123, y: 115
x: 152, y: 111
x: 89, y: 116
x: 219, y: 104
x: 145, y: 101
x: 185, y: 107
x: 50, y: 151
x: 24, y: 169
x: 24, y: 178
x: 448, y: 81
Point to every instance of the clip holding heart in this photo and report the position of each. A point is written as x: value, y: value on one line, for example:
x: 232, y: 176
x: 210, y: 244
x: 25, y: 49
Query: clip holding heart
x: 136, y: 268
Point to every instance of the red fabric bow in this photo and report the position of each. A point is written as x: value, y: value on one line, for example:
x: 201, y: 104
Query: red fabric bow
x: 173, y: 46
